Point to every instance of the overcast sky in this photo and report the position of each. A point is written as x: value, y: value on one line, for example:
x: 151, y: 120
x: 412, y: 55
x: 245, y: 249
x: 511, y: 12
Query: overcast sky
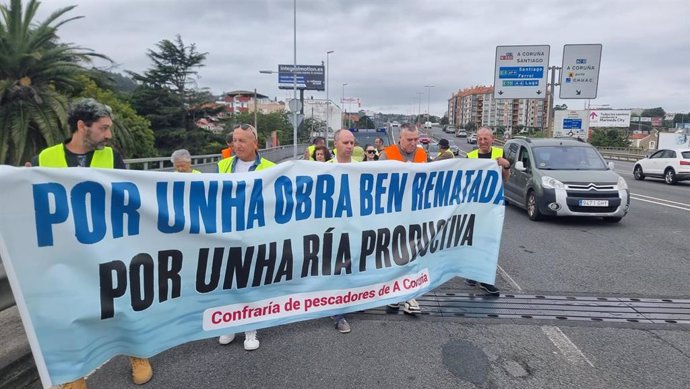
x: 387, y: 50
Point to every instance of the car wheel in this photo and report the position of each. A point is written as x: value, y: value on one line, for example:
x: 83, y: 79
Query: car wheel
x: 613, y: 219
x: 670, y: 176
x: 532, y: 207
x: 637, y: 173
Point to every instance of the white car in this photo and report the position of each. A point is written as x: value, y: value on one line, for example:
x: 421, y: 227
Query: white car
x: 672, y: 165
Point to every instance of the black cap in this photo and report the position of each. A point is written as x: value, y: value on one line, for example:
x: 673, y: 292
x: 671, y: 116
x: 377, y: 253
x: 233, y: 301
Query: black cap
x: 443, y: 143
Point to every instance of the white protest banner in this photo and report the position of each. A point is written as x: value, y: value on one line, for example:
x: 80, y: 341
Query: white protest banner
x: 106, y: 262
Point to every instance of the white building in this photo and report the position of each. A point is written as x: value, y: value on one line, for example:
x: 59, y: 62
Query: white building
x: 316, y: 108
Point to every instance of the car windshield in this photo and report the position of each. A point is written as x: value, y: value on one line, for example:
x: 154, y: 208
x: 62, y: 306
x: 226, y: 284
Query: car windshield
x: 686, y: 154
x: 568, y: 158
x: 431, y: 148
x: 368, y: 138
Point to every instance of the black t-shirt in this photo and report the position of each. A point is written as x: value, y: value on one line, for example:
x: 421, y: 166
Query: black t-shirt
x: 486, y: 155
x: 84, y: 160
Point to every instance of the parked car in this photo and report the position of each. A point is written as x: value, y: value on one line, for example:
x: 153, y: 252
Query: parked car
x: 563, y: 177
x: 472, y: 139
x: 461, y: 133
x: 672, y: 165
x: 455, y: 149
x: 432, y: 149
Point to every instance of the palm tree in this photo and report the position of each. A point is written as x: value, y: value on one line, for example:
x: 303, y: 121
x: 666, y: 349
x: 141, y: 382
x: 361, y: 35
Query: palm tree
x: 37, y: 72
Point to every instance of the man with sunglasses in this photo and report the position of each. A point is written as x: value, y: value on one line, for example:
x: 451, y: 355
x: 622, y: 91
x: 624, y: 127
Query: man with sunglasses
x: 245, y: 144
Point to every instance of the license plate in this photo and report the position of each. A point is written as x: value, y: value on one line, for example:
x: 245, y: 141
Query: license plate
x: 594, y: 203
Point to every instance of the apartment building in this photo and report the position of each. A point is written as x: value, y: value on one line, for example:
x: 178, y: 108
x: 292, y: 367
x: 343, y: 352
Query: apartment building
x: 477, y: 105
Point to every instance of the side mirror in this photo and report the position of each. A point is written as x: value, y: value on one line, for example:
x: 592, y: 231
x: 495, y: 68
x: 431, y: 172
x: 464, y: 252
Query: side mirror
x: 520, y: 166
x: 610, y: 165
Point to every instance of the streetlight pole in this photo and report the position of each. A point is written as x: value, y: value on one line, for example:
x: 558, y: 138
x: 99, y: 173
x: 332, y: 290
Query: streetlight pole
x: 419, y: 107
x: 328, y: 101
x: 428, y: 99
x: 294, y: 79
x: 342, y: 101
x: 256, y: 125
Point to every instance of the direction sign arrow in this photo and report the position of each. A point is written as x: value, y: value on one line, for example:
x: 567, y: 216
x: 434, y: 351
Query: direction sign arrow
x: 520, y: 71
x: 593, y: 115
x: 581, y: 79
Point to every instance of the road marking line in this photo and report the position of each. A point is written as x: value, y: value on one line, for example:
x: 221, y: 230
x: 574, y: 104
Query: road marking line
x: 508, y: 278
x: 660, y: 199
x: 658, y: 203
x: 565, y: 345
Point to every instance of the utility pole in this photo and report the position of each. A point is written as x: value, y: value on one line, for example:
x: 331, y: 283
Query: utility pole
x: 551, y: 99
x: 419, y: 107
x: 294, y: 79
x: 342, y: 101
x: 328, y: 101
x: 428, y: 99
x: 256, y: 126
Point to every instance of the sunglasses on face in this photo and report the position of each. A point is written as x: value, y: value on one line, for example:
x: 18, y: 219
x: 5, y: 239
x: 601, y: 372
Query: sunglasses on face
x: 371, y: 151
x: 247, y: 127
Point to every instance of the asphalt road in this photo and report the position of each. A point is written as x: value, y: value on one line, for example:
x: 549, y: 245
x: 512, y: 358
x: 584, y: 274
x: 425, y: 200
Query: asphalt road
x: 646, y: 255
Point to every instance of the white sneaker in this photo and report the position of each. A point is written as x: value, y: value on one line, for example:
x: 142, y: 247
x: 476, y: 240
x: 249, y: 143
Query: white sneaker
x: 225, y: 339
x: 250, y: 341
x: 412, y: 307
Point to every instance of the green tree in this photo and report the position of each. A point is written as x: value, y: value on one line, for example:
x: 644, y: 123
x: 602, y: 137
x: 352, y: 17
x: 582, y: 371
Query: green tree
x: 444, y: 121
x: 267, y: 123
x: 308, y: 126
x: 681, y: 118
x: 165, y: 98
x: 609, y: 138
x: 653, y: 112
x: 132, y: 133
x: 471, y: 126
x: 365, y: 122
x: 37, y: 72
x: 174, y: 68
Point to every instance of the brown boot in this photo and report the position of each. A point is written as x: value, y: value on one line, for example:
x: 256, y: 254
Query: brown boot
x: 141, y: 370
x: 78, y: 384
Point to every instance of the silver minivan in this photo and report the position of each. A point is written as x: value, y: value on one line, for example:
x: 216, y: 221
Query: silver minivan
x: 563, y: 177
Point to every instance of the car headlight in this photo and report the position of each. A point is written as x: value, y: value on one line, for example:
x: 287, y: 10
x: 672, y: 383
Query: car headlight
x: 551, y: 183
x: 622, y: 184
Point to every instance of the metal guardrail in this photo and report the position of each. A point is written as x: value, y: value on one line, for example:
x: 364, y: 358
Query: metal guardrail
x: 615, y: 153
x: 621, y: 156
x: 274, y: 154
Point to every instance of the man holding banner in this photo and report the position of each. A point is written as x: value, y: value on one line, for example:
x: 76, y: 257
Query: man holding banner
x: 90, y: 123
x: 344, y: 144
x: 406, y: 151
x: 486, y: 150
x: 245, y: 143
